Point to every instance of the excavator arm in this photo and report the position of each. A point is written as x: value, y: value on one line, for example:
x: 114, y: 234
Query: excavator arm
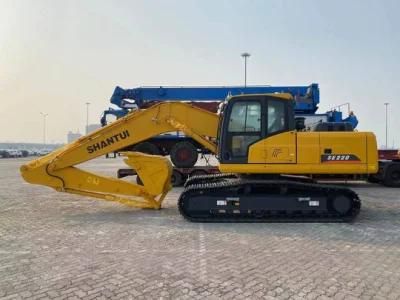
x: 58, y: 169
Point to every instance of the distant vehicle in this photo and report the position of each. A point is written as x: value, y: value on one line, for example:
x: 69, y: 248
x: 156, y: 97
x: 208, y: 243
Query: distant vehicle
x: 43, y: 152
x: 4, y: 153
x: 12, y: 152
x: 33, y: 152
x: 15, y: 153
x: 26, y: 153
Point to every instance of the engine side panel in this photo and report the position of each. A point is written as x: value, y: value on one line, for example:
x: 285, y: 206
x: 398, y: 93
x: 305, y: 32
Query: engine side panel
x: 315, y: 153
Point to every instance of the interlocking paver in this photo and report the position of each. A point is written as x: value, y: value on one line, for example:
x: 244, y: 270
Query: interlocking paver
x: 61, y: 246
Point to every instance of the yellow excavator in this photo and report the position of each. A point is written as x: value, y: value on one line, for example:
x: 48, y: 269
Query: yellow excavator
x: 262, y: 158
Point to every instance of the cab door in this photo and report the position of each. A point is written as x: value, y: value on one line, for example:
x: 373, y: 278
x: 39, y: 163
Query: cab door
x: 243, y: 126
x: 280, y: 141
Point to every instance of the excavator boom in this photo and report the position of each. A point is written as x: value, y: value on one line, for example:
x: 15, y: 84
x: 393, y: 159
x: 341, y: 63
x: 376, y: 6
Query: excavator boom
x: 58, y: 169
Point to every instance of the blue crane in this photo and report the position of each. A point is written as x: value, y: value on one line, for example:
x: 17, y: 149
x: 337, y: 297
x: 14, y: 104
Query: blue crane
x: 306, y: 98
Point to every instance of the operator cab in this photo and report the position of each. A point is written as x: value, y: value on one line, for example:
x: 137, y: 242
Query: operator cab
x: 247, y: 119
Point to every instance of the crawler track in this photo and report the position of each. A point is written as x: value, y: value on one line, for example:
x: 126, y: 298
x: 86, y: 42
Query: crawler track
x: 227, y: 198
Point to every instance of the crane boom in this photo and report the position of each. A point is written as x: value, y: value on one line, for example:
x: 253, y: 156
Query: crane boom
x: 57, y: 169
x: 306, y: 97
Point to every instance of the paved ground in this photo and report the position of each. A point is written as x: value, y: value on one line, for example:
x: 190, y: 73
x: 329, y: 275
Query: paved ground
x: 55, y: 245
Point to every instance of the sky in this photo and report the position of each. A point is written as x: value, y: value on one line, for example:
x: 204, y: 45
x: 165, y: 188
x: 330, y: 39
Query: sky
x: 57, y: 55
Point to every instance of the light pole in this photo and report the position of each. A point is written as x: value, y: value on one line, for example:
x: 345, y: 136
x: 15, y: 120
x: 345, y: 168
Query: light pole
x: 44, y: 126
x: 245, y: 55
x: 87, y: 117
x: 386, y: 119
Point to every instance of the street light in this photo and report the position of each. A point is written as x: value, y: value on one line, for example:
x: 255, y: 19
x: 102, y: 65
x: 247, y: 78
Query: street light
x: 386, y: 119
x: 44, y: 126
x: 245, y: 55
x: 87, y: 117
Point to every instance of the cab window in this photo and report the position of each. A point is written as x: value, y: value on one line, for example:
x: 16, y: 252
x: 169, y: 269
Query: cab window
x: 245, y: 117
x: 244, y: 127
x: 276, y: 117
